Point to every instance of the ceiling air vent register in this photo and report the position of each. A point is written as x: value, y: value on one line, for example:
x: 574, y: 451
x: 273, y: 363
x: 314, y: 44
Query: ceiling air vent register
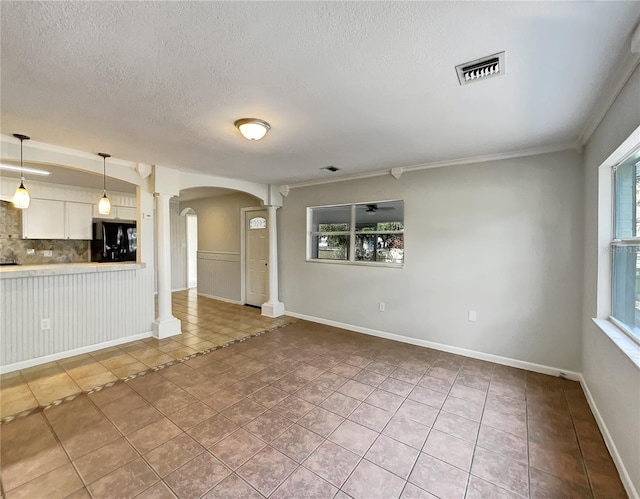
x: 330, y: 169
x: 481, y: 69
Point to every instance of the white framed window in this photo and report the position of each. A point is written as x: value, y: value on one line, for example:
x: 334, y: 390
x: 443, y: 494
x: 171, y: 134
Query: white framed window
x: 258, y: 223
x: 625, y: 246
x: 363, y: 233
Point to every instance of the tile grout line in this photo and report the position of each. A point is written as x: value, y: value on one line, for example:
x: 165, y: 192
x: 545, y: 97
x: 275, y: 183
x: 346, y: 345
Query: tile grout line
x: 420, y: 451
x: 475, y: 443
x: 69, y: 398
x: 582, y: 458
x: 59, y: 442
x: 141, y: 455
x: 360, y: 403
x: 381, y: 432
x: 123, y: 436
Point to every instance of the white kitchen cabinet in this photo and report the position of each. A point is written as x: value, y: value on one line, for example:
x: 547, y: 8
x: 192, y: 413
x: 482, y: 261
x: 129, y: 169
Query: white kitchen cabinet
x: 78, y: 221
x: 44, y: 219
x: 116, y: 213
x: 48, y: 219
x: 110, y: 216
x: 126, y: 213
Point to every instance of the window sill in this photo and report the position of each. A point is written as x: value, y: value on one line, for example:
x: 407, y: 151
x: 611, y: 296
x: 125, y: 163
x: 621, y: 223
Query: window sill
x: 629, y: 347
x: 358, y: 264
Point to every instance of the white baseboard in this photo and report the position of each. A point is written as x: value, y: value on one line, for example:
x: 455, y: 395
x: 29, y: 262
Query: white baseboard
x: 521, y: 364
x: 613, y: 450
x: 16, y: 366
x: 228, y: 300
x: 179, y: 289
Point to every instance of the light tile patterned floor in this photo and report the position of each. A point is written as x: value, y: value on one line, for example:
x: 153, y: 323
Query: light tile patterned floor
x: 309, y: 411
x: 206, y: 323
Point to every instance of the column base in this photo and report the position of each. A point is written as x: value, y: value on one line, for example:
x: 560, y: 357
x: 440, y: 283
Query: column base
x: 273, y: 309
x: 165, y: 328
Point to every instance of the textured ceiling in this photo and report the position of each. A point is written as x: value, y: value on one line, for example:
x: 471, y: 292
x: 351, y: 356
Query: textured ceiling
x: 359, y: 85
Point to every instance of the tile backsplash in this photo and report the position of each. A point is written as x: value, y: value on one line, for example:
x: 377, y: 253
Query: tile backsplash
x: 12, y: 247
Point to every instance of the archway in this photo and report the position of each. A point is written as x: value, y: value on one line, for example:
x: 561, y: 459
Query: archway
x: 219, y: 256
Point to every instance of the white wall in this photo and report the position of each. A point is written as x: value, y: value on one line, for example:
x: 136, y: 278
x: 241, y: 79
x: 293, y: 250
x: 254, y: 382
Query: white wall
x: 503, y: 238
x: 85, y: 309
x: 613, y: 380
x: 219, y: 268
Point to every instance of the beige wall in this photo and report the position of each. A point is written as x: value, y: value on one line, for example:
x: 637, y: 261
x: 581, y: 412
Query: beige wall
x: 613, y: 380
x: 219, y: 221
x: 503, y: 238
x: 219, y: 226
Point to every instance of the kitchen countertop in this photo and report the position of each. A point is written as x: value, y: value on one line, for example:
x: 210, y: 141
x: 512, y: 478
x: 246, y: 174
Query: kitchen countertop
x: 17, y: 271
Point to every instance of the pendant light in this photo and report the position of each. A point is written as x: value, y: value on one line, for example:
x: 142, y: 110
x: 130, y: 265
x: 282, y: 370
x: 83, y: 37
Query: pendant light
x: 21, y: 198
x: 104, y: 206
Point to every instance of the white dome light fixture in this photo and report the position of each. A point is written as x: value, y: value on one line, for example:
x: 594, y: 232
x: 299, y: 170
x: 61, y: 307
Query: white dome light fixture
x: 252, y: 128
x: 21, y: 198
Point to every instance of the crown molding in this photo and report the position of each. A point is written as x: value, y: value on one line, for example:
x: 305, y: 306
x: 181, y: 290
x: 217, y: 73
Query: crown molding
x: 613, y: 87
x: 344, y: 178
x: 440, y: 164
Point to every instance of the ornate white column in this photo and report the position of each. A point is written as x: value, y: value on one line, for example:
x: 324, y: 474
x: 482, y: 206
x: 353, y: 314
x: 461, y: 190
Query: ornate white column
x: 165, y: 324
x: 273, y: 307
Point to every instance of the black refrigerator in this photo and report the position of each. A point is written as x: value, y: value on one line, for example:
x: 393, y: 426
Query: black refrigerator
x: 114, y: 242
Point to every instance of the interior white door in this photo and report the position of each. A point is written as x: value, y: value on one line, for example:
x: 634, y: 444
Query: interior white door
x: 257, y: 256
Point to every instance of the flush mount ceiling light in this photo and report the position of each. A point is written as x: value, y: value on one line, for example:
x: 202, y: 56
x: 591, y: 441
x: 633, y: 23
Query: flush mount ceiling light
x: 252, y: 128
x: 31, y: 171
x: 21, y: 198
x: 104, y: 206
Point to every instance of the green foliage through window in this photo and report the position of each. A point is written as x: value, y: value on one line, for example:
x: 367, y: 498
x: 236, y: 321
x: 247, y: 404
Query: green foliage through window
x: 376, y: 236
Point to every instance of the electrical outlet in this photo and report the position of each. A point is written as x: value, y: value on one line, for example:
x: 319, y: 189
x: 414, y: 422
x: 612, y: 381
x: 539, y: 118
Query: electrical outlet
x: 47, y: 252
x: 472, y: 316
x: 382, y: 306
x: 31, y: 251
x: 45, y: 324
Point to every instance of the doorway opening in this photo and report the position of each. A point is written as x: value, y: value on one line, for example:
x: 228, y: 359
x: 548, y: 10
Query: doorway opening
x: 191, y: 236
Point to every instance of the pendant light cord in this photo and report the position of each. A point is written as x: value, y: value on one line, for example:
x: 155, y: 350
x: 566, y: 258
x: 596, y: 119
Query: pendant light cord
x: 104, y: 157
x: 22, y: 138
x: 21, y: 174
